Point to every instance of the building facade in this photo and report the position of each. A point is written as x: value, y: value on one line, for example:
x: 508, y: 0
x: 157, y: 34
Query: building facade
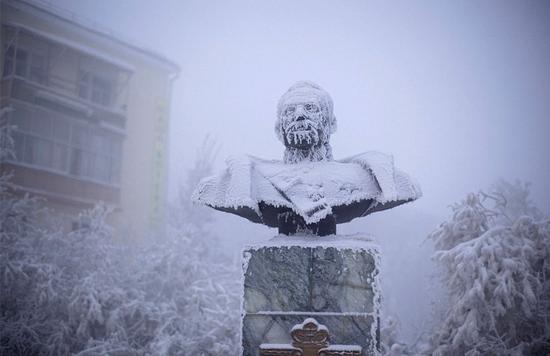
x: 90, y: 114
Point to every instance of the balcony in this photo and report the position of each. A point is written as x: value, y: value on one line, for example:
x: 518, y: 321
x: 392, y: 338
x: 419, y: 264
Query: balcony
x: 53, y: 96
x: 41, y: 68
x: 59, y: 188
x: 63, y: 158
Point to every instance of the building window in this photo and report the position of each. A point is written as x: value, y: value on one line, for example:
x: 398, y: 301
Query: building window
x: 8, y: 61
x: 25, y: 56
x: 8, y: 40
x: 95, y: 88
x: 28, y: 64
x: 46, y: 140
x: 22, y: 63
x: 38, y: 68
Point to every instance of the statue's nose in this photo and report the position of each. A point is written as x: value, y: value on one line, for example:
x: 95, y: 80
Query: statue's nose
x: 300, y: 112
x: 300, y: 118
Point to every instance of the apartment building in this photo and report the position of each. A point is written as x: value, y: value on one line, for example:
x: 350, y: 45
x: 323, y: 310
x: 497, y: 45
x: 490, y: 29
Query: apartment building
x: 91, y: 115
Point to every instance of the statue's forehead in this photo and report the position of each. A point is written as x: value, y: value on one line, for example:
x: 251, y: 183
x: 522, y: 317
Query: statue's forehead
x: 301, y: 97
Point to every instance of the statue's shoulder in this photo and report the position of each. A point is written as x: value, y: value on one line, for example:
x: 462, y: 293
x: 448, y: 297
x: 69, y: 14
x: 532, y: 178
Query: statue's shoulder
x: 250, y: 161
x: 237, y: 185
x: 370, y: 158
x: 394, y: 183
x: 259, y: 161
x: 229, y: 187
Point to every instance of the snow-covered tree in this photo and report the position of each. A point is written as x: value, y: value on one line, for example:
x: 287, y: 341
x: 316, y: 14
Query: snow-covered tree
x: 392, y: 346
x: 495, y: 257
x: 83, y: 292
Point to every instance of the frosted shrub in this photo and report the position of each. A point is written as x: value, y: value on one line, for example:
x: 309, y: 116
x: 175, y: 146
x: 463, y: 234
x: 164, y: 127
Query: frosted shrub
x: 495, y: 265
x: 201, y: 310
x: 391, y: 346
x: 84, y: 293
x: 43, y: 274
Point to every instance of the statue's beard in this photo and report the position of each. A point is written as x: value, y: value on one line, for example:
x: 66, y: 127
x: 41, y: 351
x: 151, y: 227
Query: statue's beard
x: 306, y: 140
x: 302, y: 134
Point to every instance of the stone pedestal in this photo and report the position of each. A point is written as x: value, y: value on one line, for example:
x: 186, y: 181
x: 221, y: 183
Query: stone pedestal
x: 333, y: 279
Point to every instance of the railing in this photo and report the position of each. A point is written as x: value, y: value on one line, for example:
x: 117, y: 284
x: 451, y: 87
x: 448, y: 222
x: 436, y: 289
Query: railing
x: 62, y: 84
x: 66, y: 90
x: 35, y: 149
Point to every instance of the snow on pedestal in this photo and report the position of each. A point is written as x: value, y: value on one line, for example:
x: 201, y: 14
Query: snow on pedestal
x: 333, y: 279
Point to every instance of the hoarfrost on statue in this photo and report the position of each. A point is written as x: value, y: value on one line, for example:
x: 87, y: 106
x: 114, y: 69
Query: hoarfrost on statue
x: 308, y: 190
x: 305, y: 121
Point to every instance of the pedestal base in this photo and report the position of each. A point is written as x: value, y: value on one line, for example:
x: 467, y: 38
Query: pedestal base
x: 333, y: 279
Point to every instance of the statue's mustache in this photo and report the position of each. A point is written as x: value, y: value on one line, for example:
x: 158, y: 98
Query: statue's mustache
x: 302, y: 132
x: 303, y: 124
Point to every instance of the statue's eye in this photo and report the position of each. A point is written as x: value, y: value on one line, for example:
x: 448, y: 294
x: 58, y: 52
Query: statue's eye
x: 312, y: 108
x: 290, y: 109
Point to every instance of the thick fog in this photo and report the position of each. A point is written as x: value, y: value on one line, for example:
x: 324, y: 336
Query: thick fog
x: 458, y: 92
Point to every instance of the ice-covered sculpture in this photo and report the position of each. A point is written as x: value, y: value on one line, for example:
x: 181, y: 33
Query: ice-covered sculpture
x: 308, y: 191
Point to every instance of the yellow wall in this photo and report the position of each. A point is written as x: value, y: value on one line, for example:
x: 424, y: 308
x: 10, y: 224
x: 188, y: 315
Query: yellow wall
x: 147, y: 102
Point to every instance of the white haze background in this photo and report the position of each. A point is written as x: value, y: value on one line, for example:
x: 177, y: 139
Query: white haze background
x: 458, y: 92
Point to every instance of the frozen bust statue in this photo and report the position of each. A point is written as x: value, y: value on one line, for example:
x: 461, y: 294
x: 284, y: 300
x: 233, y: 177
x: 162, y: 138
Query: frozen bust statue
x: 309, y: 191
x: 305, y: 121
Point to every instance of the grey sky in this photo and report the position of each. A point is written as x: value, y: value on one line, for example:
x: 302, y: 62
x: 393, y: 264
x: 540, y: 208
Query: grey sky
x: 458, y: 92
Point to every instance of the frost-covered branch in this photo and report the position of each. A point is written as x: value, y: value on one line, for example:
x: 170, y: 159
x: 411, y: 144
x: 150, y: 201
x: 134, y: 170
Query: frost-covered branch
x: 494, y: 263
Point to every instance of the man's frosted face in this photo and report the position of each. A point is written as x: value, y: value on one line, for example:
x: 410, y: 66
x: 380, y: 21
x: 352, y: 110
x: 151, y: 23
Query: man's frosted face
x: 302, y: 123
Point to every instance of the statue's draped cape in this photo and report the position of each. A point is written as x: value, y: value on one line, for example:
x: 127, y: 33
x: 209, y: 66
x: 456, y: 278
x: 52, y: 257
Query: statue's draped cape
x: 259, y: 190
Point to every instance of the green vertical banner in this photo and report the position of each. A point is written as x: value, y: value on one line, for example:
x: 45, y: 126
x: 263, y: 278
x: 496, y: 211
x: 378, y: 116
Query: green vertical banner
x: 158, y: 189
